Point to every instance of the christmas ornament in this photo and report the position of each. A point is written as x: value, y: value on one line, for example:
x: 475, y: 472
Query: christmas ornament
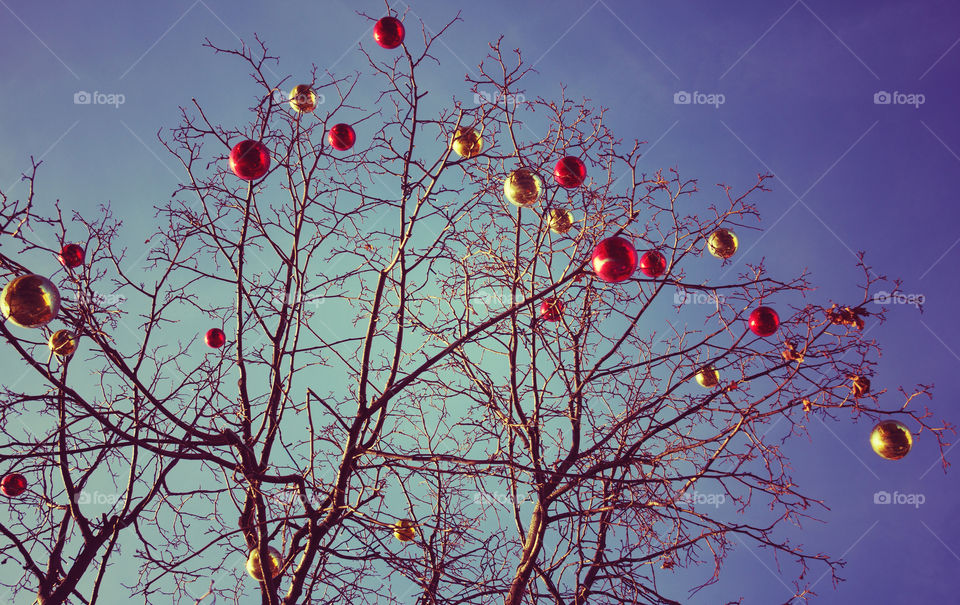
x: 303, y: 99
x: 389, y: 32
x: 861, y: 386
x: 551, y: 309
x: 13, y: 485
x: 708, y: 377
x: 560, y: 220
x: 467, y: 142
x: 71, y: 256
x: 722, y: 243
x: 215, y: 338
x: 249, y: 160
x: 405, y: 530
x: 653, y: 264
x: 63, y: 343
x: 614, y: 259
x: 570, y: 172
x: 30, y: 301
x: 891, y: 440
x: 764, y: 321
x: 341, y: 137
x: 522, y: 187
x: 274, y: 562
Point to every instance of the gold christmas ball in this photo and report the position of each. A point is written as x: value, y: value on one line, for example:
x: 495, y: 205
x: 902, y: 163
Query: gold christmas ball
x: 405, y: 530
x: 891, y: 440
x: 467, y: 142
x: 63, y: 343
x: 522, y: 187
x: 303, y: 99
x: 722, y: 243
x: 253, y: 563
x: 560, y: 220
x: 30, y: 301
x: 708, y: 377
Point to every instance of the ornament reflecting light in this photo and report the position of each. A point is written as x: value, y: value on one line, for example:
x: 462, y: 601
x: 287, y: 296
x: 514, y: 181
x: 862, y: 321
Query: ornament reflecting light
x: 249, y: 160
x: 861, y: 386
x: 560, y: 220
x: 273, y: 563
x: 708, y: 377
x: 63, y: 343
x: 764, y: 321
x: 215, y: 338
x: 303, y: 99
x: 341, y: 137
x: 614, y: 259
x: 405, y: 530
x: 30, y: 301
x: 522, y: 187
x: 570, y: 172
x: 551, y: 309
x: 722, y: 243
x: 71, y: 256
x: 467, y: 142
x: 891, y: 440
x: 13, y: 485
x: 653, y: 264
x: 389, y: 32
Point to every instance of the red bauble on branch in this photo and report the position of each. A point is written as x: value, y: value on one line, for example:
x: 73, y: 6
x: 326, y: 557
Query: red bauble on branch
x: 551, y: 309
x: 570, y: 172
x: 653, y: 264
x: 389, y: 32
x: 249, y: 160
x: 71, y: 256
x: 13, y: 485
x: 764, y: 321
x: 341, y: 137
x: 614, y: 259
x: 215, y: 338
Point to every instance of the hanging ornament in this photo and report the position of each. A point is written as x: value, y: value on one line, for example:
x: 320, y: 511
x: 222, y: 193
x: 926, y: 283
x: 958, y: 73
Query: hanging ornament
x: 63, y: 343
x: 30, y: 301
x: 846, y: 316
x: 249, y: 160
x: 389, y: 32
x: 341, y: 137
x: 71, y: 256
x: 215, y: 338
x: 522, y: 187
x: 13, y: 485
x: 273, y: 564
x: 467, y: 142
x: 405, y: 530
x: 570, y: 172
x: 722, y: 243
x: 614, y: 259
x: 861, y: 386
x: 303, y: 99
x: 764, y: 321
x: 891, y: 440
x: 708, y: 377
x: 560, y: 220
x: 653, y: 264
x: 551, y: 309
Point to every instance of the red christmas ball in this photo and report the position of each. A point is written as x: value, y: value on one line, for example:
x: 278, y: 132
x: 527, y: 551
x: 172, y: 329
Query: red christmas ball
x: 614, y: 259
x: 653, y: 264
x: 389, y: 32
x: 215, y: 338
x: 341, y: 137
x: 551, y: 309
x: 764, y: 321
x: 13, y: 485
x: 71, y: 256
x: 249, y: 160
x: 570, y: 172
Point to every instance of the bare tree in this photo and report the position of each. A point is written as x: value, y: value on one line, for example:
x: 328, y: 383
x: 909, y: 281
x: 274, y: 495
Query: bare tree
x: 404, y: 344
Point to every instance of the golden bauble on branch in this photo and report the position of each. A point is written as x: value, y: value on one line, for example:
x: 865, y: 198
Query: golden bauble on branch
x: 467, y: 142
x: 30, y: 301
x: 560, y: 220
x: 303, y: 99
x: 63, y: 343
x: 405, y: 530
x: 273, y: 563
x: 722, y: 243
x: 708, y: 377
x: 891, y: 440
x: 522, y: 187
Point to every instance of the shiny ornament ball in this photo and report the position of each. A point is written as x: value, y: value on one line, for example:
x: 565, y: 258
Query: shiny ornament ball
x: 467, y: 142
x: 13, y: 485
x: 30, y: 301
x: 388, y: 32
x: 215, y: 338
x: 551, y: 309
x: 653, y: 264
x: 722, y: 243
x: 341, y: 137
x: 614, y: 259
x: 570, y: 172
x: 405, y: 530
x: 303, y: 99
x: 522, y: 187
x: 560, y: 220
x: 891, y: 440
x: 764, y: 321
x: 273, y: 563
x: 708, y: 377
x: 861, y: 386
x: 71, y: 256
x: 63, y: 343
x: 249, y: 160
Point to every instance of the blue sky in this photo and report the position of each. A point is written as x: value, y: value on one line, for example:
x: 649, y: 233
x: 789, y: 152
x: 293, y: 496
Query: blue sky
x: 798, y: 82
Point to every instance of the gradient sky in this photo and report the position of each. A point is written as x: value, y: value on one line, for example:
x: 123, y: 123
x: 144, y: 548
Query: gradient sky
x: 798, y: 81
